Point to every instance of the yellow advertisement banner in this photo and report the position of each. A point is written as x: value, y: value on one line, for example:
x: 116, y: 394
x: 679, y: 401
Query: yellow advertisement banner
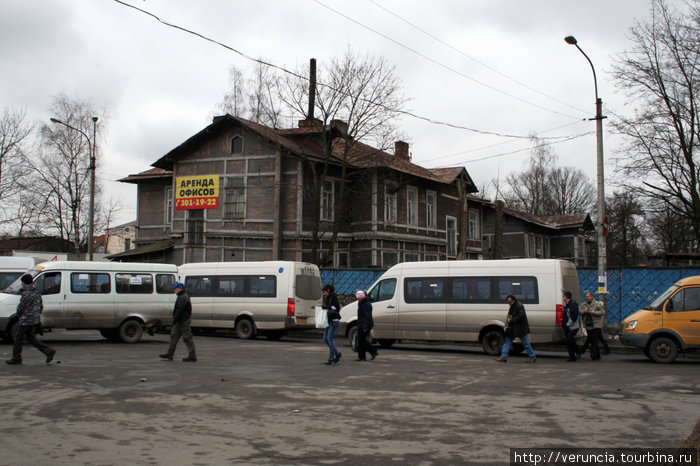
x: 197, y: 192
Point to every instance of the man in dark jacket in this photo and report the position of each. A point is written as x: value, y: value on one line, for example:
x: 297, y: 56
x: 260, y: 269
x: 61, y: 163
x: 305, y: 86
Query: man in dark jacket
x: 516, y: 327
x: 29, y: 314
x: 332, y: 307
x: 364, y: 327
x: 182, y: 316
x: 570, y: 325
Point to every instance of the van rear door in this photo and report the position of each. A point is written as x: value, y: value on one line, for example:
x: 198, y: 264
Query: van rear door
x: 307, y: 292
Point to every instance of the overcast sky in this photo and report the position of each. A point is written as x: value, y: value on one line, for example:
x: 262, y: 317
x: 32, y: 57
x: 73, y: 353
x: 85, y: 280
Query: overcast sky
x: 155, y: 86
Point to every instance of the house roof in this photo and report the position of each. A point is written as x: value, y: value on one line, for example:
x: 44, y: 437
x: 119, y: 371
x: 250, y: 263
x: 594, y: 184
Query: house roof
x: 299, y: 142
x: 153, y: 173
x: 158, y: 246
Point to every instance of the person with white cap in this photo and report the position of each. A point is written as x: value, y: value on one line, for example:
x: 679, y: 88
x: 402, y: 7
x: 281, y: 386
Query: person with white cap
x: 182, y: 316
x: 364, y: 327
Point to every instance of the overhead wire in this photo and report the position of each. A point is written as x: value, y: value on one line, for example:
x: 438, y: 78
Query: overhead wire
x: 440, y: 64
x: 461, y: 52
x: 306, y: 78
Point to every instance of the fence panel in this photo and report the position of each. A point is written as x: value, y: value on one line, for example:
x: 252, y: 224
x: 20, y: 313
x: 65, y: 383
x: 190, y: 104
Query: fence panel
x: 348, y: 281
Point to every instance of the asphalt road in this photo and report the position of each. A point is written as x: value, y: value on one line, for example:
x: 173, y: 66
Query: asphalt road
x: 261, y: 401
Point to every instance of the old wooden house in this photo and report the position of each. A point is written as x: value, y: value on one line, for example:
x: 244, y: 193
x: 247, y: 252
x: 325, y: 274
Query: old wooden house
x: 241, y: 191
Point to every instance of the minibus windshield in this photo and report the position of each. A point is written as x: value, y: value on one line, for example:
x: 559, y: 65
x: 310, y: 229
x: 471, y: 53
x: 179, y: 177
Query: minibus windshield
x: 658, y: 303
x: 17, y: 284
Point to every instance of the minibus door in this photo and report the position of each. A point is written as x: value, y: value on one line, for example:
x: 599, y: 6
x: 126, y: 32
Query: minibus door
x: 53, y: 295
x: 423, y: 314
x: 383, y: 299
x: 682, y: 314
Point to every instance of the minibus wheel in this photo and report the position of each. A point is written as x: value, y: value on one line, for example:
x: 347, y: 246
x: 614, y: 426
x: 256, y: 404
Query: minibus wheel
x: 11, y: 331
x: 352, y: 339
x: 130, y: 331
x: 386, y: 342
x: 110, y: 334
x: 663, y: 350
x: 492, y: 342
x: 245, y: 329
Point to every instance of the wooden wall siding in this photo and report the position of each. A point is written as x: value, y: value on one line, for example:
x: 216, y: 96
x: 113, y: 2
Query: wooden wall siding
x: 151, y: 203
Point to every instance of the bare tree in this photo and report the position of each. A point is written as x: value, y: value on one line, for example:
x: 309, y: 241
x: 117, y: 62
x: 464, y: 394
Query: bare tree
x: 256, y: 98
x: 626, y: 242
x: 661, y: 76
x: 234, y: 101
x: 14, y: 134
x: 547, y: 189
x: 63, y: 169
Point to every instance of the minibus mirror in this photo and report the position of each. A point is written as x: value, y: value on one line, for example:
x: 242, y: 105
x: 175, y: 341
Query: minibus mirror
x: 669, y: 305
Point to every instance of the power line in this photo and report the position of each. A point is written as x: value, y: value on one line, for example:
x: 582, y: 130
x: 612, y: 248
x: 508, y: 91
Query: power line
x: 474, y: 59
x: 503, y: 154
x: 306, y: 78
x: 442, y: 65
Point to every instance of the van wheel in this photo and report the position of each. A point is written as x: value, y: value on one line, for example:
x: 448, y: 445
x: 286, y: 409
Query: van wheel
x: 130, y: 331
x: 110, y: 334
x: 386, y: 342
x: 352, y: 339
x: 663, y: 350
x: 245, y: 329
x: 492, y: 342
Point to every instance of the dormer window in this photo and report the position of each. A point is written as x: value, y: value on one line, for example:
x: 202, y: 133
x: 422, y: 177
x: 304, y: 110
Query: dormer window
x: 237, y: 145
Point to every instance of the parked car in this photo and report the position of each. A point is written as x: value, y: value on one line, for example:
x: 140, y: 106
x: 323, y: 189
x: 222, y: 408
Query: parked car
x: 118, y: 299
x: 669, y: 325
x: 465, y: 301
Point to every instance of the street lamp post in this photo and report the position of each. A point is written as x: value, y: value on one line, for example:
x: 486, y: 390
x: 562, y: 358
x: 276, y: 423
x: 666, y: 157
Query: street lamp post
x: 91, y: 148
x: 602, y: 257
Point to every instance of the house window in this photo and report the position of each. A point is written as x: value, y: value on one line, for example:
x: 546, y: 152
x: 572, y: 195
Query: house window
x: 451, y: 236
x: 412, y: 206
x: 237, y: 145
x: 532, y: 245
x: 127, y: 244
x: 431, y: 209
x: 169, y: 206
x: 411, y: 257
x: 538, y: 250
x: 195, y: 226
x: 327, y: 201
x: 431, y: 257
x: 389, y: 205
x: 546, y: 248
x: 473, y: 224
x: 234, y: 200
x: 389, y: 259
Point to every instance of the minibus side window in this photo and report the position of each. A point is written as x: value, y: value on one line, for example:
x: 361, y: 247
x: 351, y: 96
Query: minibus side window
x: 425, y: 290
x: 199, y: 286
x: 523, y: 288
x: 471, y: 290
x: 686, y: 300
x: 49, y: 283
x: 164, y: 283
x: 85, y: 282
x: 264, y: 286
x: 134, y: 283
x: 231, y: 286
x: 384, y: 290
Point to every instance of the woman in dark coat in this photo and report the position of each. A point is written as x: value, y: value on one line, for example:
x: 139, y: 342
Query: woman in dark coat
x: 364, y: 326
x: 516, y: 327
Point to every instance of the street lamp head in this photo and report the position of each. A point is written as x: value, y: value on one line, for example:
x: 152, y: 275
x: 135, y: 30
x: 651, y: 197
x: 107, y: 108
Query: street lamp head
x: 571, y: 40
x: 54, y: 120
x: 94, y: 119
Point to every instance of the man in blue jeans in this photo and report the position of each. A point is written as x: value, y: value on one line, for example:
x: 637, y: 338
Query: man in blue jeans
x: 332, y: 307
x: 516, y: 327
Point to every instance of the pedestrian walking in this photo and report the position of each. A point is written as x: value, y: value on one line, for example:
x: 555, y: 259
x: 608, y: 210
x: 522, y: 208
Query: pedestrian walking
x: 182, y: 317
x: 592, y: 314
x: 364, y: 327
x: 332, y: 307
x: 29, y: 314
x: 516, y: 327
x: 570, y: 325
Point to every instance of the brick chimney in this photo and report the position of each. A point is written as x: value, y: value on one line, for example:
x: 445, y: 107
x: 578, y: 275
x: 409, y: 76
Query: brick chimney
x: 401, y: 150
x: 340, y: 125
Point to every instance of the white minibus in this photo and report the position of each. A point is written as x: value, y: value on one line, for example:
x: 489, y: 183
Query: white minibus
x: 253, y: 298
x: 465, y: 301
x: 119, y: 299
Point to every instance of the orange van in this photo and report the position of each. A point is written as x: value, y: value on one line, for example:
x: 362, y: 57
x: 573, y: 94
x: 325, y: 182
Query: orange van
x: 669, y: 325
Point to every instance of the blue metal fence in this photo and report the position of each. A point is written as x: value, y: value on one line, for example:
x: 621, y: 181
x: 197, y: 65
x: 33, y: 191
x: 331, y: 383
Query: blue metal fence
x: 629, y: 289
